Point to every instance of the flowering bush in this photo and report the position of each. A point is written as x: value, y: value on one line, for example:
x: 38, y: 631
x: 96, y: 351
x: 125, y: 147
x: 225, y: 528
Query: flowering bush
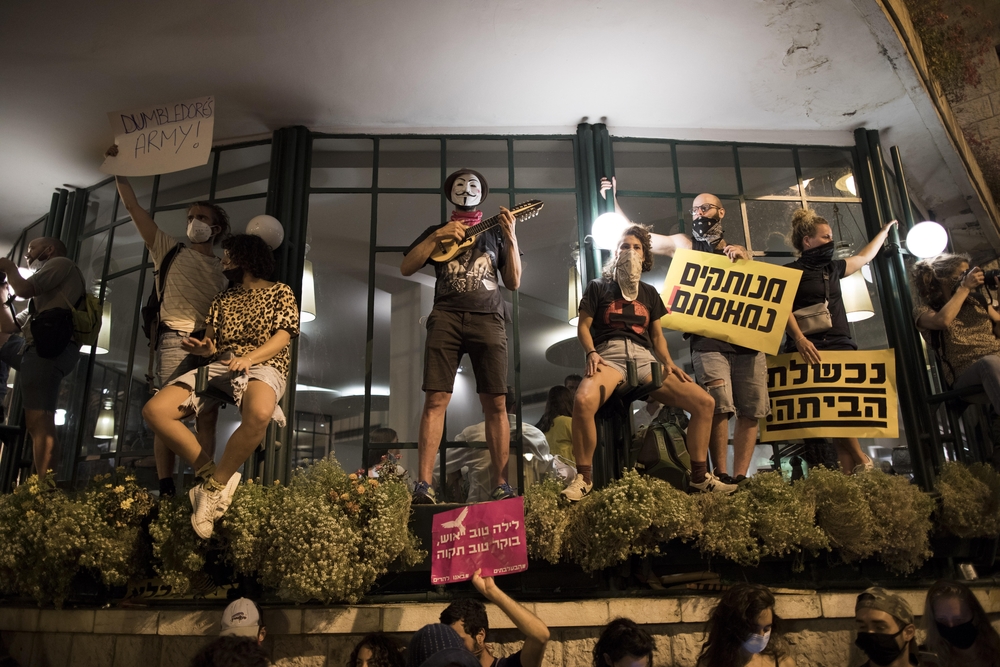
x: 545, y: 520
x: 178, y: 553
x: 727, y: 528
x: 842, y: 512
x: 970, y: 500
x: 902, y: 519
x: 784, y: 516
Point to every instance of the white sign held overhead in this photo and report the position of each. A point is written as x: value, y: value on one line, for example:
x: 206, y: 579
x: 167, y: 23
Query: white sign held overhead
x: 160, y: 139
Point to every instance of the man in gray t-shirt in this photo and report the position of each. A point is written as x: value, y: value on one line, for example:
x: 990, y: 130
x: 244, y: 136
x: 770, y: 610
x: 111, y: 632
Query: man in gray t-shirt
x: 56, y: 283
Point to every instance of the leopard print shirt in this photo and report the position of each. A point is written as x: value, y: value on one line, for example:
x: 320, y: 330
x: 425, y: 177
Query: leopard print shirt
x: 245, y: 319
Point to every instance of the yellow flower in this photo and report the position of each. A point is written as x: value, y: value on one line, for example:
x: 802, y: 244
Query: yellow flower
x: 373, y: 482
x: 353, y: 476
x: 361, y: 488
x: 127, y: 503
x: 119, y: 489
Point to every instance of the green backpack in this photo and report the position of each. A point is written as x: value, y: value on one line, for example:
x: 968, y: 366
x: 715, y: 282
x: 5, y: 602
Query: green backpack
x: 661, y: 451
x: 87, y: 320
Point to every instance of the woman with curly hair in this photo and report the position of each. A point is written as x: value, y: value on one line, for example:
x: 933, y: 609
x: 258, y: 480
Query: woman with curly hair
x: 812, y: 237
x: 620, y: 325
x: 958, y: 629
x: 248, y: 331
x: 744, y: 631
x: 557, y: 421
x: 959, y: 322
x: 377, y: 650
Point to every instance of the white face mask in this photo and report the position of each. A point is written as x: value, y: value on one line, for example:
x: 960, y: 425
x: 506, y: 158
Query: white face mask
x: 628, y: 270
x: 756, y: 643
x: 466, y: 191
x: 36, y: 264
x: 198, y: 231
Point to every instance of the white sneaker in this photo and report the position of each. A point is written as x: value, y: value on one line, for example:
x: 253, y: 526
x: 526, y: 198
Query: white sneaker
x: 867, y: 465
x: 712, y: 484
x: 577, y: 489
x: 207, y: 506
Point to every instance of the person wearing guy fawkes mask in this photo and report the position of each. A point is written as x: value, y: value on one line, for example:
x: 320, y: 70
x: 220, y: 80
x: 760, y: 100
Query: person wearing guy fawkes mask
x: 194, y: 276
x: 812, y: 237
x: 885, y: 630
x: 735, y: 376
x: 468, y: 317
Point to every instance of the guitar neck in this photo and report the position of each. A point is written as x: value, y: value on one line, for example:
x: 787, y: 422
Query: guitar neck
x: 483, y: 226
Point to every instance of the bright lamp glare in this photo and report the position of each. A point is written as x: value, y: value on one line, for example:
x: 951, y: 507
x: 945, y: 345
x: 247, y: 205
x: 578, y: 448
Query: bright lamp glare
x: 608, y: 229
x: 927, y: 239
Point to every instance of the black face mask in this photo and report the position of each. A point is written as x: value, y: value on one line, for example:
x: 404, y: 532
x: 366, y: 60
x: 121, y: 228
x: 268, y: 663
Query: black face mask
x: 960, y: 636
x: 708, y: 230
x: 235, y: 276
x: 881, y: 649
x: 818, y: 256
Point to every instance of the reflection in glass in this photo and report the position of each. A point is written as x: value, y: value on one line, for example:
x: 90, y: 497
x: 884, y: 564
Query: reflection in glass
x: 770, y: 224
x: 409, y: 163
x: 706, y: 169
x: 646, y: 167
x: 243, y: 171
x: 768, y: 172
x: 100, y: 207
x: 830, y: 172
x: 91, y: 258
x: 544, y: 164
x: 342, y: 163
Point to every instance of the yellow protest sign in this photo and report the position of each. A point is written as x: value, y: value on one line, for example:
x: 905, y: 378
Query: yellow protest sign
x: 849, y: 394
x: 743, y: 302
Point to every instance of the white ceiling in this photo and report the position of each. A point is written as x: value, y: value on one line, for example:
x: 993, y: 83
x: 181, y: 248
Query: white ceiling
x: 767, y: 70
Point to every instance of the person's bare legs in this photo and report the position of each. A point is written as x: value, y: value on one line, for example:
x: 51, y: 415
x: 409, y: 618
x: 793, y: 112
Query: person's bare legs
x: 718, y: 444
x: 497, y: 435
x: 205, y: 430
x: 431, y: 428
x: 165, y: 458
x: 694, y: 400
x: 849, y: 454
x: 590, y: 395
x: 256, y: 409
x: 744, y: 441
x: 164, y: 414
x: 41, y: 428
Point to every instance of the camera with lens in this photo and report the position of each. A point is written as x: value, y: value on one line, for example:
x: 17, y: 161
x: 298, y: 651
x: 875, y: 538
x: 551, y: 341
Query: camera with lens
x: 991, y: 278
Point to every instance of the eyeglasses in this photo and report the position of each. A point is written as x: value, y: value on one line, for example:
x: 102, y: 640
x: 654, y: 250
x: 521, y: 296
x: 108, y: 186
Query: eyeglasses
x: 704, y: 208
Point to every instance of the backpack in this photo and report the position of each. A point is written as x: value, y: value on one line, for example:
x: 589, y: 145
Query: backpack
x: 661, y: 451
x: 151, y: 311
x: 87, y: 320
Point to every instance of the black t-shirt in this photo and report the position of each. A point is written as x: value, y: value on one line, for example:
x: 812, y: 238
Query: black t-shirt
x: 811, y: 291
x: 703, y: 343
x: 614, y: 317
x: 468, y: 283
x: 513, y: 660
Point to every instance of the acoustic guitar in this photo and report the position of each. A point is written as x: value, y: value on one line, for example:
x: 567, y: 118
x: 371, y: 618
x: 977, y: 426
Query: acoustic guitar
x: 448, y: 248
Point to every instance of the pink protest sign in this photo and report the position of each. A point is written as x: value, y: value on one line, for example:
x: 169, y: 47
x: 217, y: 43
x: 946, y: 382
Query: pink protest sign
x: 488, y: 536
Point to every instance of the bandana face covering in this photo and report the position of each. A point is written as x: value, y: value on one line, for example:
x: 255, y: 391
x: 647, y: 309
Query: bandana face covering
x: 960, y: 636
x: 708, y: 230
x: 818, y: 256
x: 628, y: 269
x: 881, y: 648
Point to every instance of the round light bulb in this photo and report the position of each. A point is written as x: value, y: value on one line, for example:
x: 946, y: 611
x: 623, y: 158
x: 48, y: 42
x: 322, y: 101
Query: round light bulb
x: 927, y: 239
x: 607, y: 230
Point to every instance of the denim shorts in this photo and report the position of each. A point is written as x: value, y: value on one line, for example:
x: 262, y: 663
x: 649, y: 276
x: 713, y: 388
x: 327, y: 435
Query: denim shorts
x: 234, y: 385
x: 744, y: 382
x: 39, y: 378
x: 618, y: 351
x: 171, y: 359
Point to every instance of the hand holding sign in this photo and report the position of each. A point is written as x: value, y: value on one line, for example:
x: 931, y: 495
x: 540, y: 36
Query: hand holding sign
x: 161, y: 139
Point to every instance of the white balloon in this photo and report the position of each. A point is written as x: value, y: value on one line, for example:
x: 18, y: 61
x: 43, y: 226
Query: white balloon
x: 268, y: 228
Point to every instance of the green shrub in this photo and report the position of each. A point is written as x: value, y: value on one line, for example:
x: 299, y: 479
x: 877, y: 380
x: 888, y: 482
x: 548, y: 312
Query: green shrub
x: 970, y: 500
x: 842, y: 512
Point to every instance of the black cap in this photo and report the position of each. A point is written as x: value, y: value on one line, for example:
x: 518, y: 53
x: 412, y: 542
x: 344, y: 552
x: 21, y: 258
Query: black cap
x: 450, y: 181
x: 437, y: 645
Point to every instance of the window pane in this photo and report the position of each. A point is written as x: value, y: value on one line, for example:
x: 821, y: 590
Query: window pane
x: 100, y: 207
x: 189, y: 185
x: 644, y: 167
x: 707, y: 169
x: 847, y: 222
x: 409, y: 163
x: 830, y: 172
x: 489, y: 158
x: 661, y: 214
x: 173, y: 222
x: 342, y: 163
x: 770, y: 223
x: 544, y: 164
x: 241, y: 212
x: 93, y: 250
x: 128, y: 248
x: 768, y: 171
x: 243, y: 171
x: 401, y: 218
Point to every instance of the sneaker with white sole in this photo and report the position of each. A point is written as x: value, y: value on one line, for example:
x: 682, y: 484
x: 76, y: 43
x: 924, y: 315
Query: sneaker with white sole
x: 207, y: 506
x: 712, y: 484
x: 577, y: 489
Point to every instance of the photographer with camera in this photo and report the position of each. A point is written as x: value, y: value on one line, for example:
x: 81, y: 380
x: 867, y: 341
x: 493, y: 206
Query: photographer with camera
x: 959, y: 322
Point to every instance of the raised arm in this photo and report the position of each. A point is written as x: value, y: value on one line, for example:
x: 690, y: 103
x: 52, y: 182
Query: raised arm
x: 661, y: 244
x: 868, y: 253
x: 536, y: 633
x: 140, y: 216
x: 7, y: 323
x: 511, y: 270
x: 942, y: 319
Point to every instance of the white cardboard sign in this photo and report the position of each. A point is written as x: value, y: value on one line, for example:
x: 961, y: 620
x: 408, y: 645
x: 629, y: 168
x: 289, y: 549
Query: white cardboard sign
x: 162, y: 138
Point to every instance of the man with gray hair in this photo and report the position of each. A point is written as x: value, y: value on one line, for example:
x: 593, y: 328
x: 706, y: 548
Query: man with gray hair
x: 39, y: 342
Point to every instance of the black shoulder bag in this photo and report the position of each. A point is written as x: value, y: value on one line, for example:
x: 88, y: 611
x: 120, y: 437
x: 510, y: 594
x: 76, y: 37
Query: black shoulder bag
x: 151, y: 311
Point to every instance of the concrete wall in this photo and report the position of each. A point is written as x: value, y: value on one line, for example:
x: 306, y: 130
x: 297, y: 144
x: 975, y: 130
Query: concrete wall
x: 979, y: 113
x: 818, y: 626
